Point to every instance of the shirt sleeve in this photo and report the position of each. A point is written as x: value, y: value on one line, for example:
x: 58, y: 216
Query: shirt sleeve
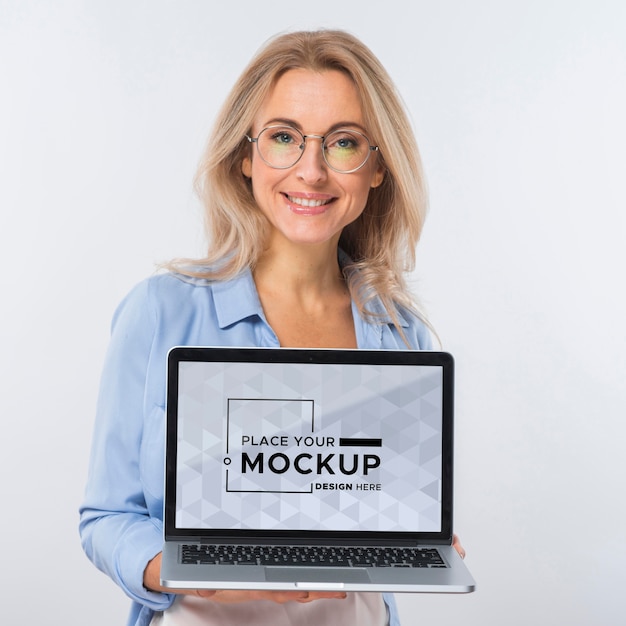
x: 117, y: 531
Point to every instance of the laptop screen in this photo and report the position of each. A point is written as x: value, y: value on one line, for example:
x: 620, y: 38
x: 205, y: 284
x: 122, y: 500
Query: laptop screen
x: 305, y: 445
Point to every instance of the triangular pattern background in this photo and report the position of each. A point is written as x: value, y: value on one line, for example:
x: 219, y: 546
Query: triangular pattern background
x: 220, y: 404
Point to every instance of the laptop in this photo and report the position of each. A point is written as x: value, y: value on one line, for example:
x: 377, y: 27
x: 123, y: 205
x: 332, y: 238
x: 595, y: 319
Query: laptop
x: 310, y: 469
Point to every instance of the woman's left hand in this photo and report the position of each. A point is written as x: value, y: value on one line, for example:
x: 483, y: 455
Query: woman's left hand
x: 456, y: 544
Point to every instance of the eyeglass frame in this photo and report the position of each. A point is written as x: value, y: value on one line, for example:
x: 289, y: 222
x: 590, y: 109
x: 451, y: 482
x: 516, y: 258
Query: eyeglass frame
x: 371, y: 148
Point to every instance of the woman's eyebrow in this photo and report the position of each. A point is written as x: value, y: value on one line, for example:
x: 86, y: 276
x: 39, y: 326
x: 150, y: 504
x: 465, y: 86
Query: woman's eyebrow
x: 289, y: 122
x: 354, y: 125
x: 283, y: 120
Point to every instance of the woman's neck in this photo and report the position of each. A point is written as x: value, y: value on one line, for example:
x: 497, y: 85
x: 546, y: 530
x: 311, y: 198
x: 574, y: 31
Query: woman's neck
x: 306, y: 271
x: 305, y: 298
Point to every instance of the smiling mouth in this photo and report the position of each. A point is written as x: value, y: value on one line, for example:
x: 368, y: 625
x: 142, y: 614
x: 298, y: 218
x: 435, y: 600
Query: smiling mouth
x: 308, y: 202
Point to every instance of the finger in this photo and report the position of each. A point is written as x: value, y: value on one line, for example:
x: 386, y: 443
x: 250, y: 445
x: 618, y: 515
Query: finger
x: 456, y: 544
x: 323, y: 595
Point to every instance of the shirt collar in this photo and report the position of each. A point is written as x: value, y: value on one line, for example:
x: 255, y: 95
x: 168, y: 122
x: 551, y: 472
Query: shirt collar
x: 236, y: 299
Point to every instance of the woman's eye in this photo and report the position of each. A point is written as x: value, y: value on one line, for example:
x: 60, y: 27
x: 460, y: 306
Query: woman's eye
x: 345, y: 142
x: 283, y: 138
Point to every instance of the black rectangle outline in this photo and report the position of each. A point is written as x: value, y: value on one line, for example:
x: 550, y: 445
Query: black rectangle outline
x: 228, y: 400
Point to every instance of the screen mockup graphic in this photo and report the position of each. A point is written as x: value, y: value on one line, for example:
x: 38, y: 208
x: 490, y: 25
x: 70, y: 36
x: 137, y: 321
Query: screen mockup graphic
x: 309, y: 446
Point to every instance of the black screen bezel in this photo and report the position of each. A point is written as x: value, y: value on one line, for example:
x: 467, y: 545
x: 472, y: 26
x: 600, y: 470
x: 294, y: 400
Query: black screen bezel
x: 323, y: 356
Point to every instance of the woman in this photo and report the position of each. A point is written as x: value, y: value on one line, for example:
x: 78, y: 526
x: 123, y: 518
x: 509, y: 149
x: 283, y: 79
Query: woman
x: 314, y: 204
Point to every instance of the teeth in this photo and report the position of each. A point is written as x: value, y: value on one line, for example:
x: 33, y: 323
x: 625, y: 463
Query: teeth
x: 306, y: 202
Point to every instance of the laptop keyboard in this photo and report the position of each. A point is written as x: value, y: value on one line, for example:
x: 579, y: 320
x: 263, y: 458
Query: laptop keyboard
x: 310, y: 555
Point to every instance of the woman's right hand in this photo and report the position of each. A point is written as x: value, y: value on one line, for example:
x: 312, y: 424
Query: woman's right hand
x: 152, y: 581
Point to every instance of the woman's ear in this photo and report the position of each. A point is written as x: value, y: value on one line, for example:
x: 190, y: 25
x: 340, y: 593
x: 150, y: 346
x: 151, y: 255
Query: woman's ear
x: 246, y: 167
x: 378, y: 177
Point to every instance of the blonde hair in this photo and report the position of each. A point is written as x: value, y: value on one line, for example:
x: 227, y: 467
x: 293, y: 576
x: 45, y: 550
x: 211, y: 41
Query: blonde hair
x: 381, y: 242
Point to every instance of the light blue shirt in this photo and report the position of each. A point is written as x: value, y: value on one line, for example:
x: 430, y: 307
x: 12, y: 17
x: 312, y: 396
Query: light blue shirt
x: 121, y: 522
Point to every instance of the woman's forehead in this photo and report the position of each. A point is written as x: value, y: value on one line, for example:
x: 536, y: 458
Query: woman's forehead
x: 311, y: 101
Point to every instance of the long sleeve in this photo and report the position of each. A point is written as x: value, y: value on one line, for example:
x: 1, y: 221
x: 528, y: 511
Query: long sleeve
x: 118, y: 532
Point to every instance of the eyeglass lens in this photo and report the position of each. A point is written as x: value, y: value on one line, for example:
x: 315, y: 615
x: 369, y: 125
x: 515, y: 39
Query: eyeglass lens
x: 282, y: 146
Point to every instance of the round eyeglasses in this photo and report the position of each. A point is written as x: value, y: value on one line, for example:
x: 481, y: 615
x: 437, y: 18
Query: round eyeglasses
x: 344, y: 150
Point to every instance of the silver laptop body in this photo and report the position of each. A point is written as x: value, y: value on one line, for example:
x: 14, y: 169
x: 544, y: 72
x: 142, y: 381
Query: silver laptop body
x: 310, y: 469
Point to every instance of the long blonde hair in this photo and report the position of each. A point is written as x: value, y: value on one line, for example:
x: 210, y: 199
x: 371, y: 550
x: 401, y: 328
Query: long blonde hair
x: 382, y: 241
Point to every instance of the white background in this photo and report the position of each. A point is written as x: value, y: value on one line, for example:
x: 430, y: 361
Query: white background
x: 519, y: 111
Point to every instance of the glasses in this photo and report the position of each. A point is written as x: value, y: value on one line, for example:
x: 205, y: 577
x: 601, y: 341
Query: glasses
x: 344, y: 150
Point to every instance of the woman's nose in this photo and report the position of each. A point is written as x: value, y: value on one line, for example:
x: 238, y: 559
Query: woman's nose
x: 311, y: 168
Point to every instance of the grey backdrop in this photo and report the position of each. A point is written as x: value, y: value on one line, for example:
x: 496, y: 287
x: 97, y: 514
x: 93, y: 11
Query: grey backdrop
x: 518, y: 108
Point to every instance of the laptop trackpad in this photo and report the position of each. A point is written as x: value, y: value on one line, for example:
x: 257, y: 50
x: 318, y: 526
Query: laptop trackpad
x: 316, y: 574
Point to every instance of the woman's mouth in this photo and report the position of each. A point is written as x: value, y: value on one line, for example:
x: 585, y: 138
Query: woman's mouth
x: 308, y: 205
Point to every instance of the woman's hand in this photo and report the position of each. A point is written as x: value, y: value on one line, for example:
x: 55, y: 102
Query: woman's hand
x: 229, y: 596
x: 151, y: 581
x: 456, y: 544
